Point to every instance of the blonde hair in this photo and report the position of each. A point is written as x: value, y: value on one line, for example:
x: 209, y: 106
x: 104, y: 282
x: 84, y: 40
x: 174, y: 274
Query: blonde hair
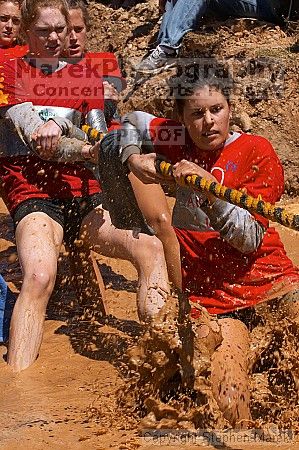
x: 30, y: 11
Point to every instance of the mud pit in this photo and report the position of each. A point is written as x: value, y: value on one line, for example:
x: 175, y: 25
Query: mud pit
x: 76, y: 395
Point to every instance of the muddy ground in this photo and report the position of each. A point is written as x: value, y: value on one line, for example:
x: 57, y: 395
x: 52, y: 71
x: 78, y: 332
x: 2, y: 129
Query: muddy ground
x: 69, y: 398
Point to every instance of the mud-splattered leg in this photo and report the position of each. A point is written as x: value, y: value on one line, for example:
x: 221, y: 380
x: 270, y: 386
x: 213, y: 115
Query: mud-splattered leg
x: 145, y: 253
x: 229, y: 375
x: 159, y: 217
x: 289, y: 311
x: 38, y: 240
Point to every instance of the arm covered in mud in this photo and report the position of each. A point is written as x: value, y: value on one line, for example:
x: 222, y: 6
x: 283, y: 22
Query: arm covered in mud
x: 235, y: 225
x: 135, y: 135
x: 136, y: 147
x: 62, y: 142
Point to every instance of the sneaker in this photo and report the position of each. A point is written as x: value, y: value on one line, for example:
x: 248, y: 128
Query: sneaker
x: 157, y: 61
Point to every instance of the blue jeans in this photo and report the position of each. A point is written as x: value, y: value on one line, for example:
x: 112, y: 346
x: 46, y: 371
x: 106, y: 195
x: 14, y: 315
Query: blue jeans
x: 182, y: 16
x: 7, y: 301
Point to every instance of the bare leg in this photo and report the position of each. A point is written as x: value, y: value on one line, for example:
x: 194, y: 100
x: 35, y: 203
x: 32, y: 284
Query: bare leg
x: 229, y: 375
x: 289, y: 309
x: 145, y: 252
x: 38, y: 240
x: 158, y: 216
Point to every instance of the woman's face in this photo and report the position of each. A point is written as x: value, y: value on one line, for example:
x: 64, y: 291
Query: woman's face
x: 76, y: 40
x: 47, y: 35
x: 206, y: 117
x: 10, y: 20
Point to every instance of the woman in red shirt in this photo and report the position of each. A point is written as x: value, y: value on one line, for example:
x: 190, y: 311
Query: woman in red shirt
x: 104, y: 63
x: 10, y: 21
x: 231, y: 260
x: 41, y: 97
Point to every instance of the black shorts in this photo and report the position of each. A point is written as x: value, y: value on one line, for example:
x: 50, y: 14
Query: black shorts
x: 118, y: 195
x: 69, y: 213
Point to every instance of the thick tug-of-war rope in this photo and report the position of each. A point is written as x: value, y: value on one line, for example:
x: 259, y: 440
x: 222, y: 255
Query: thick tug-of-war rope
x: 93, y: 134
x: 233, y: 196
x: 238, y: 198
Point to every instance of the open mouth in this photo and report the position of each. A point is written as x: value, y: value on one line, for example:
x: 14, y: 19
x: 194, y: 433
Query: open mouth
x: 74, y: 49
x: 53, y: 49
x: 209, y: 133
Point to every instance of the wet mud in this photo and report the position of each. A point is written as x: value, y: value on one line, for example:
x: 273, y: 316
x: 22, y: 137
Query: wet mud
x: 170, y: 365
x: 104, y: 383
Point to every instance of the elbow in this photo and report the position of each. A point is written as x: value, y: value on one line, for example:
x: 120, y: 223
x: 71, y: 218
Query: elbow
x: 247, y: 248
x: 249, y: 245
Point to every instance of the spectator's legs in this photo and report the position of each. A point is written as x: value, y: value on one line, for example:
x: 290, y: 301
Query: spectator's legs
x: 267, y: 10
x: 144, y: 251
x: 180, y: 17
x: 38, y: 239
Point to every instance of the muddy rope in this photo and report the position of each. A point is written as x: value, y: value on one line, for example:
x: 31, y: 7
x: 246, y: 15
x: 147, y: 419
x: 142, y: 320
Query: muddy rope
x: 93, y: 134
x: 235, y: 197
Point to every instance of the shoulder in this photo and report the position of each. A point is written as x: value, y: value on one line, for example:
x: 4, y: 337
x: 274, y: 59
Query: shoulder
x: 257, y: 143
x: 18, y: 51
x: 102, y: 59
x: 252, y: 149
x: 12, y: 74
x: 12, y: 63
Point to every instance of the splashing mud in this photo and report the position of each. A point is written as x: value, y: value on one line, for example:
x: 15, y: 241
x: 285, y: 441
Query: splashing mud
x: 170, y: 365
x: 275, y: 365
x: 169, y: 371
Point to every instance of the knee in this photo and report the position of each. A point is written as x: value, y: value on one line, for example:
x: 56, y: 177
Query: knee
x: 152, y: 246
x: 161, y: 224
x: 39, y: 282
x: 148, y: 254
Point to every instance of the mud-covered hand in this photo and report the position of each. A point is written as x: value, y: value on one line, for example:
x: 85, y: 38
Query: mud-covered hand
x: 91, y: 152
x: 184, y: 168
x: 144, y: 168
x: 46, y: 139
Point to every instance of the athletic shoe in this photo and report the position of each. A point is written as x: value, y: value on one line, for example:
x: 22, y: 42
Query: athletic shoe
x: 157, y: 61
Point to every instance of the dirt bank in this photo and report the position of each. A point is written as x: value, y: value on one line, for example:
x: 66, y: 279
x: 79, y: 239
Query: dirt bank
x: 263, y: 60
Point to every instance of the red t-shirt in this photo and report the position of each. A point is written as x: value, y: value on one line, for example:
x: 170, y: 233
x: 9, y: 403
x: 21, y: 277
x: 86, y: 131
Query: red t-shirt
x: 106, y: 64
x: 216, y: 275
x: 74, y: 87
x: 13, y: 52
